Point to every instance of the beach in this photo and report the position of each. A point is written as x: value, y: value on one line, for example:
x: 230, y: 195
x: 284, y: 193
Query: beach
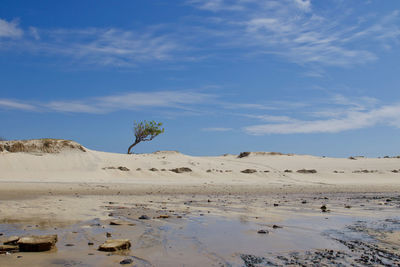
x: 252, y: 209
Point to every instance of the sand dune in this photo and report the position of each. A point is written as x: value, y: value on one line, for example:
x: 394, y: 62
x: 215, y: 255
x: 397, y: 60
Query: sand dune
x: 72, y: 163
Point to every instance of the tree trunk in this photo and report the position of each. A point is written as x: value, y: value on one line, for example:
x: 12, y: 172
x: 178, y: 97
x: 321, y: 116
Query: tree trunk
x: 134, y: 144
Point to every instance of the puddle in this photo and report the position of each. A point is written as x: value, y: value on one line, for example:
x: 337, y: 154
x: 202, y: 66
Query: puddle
x: 302, y: 237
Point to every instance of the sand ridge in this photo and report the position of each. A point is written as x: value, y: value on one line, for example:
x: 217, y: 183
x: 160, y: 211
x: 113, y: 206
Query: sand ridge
x: 174, y: 171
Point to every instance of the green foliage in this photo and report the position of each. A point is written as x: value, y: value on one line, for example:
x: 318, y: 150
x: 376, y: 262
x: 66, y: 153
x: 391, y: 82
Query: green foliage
x: 146, y: 131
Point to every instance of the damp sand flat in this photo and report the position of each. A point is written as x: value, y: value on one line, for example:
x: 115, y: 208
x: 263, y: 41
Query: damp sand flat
x: 209, y: 230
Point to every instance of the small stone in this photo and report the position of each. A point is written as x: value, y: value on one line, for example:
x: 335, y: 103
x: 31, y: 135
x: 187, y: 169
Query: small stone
x: 144, y: 217
x: 69, y: 245
x: 163, y: 216
x: 115, y: 245
x: 276, y: 226
x: 90, y: 243
x: 347, y: 206
x: 126, y: 261
x: 276, y: 204
x: 262, y: 232
x: 304, y: 202
x: 108, y: 234
x: 121, y: 223
x: 37, y: 243
x: 323, y: 208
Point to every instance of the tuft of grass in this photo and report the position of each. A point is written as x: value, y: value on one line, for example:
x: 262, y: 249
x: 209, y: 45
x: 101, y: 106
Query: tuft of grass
x: 16, y: 147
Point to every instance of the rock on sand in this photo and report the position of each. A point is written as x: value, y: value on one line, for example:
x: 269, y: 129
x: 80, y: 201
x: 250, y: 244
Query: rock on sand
x: 36, y: 243
x: 115, y: 245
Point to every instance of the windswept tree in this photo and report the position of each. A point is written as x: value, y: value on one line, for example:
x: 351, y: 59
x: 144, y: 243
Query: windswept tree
x: 146, y: 131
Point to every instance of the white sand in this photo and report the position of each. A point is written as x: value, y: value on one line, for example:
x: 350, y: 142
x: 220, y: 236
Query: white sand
x: 76, y: 167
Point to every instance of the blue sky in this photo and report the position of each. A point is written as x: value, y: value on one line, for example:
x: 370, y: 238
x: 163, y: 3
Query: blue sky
x: 224, y: 76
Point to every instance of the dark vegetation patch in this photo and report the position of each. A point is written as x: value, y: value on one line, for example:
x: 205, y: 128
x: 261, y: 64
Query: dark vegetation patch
x: 46, y: 145
x: 307, y: 171
x: 365, y: 171
x: 121, y: 168
x: 249, y: 171
x: 244, y: 154
x: 181, y: 170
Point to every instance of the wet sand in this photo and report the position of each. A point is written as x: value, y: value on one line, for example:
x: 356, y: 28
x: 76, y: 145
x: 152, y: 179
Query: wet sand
x: 255, y: 209
x: 214, y: 229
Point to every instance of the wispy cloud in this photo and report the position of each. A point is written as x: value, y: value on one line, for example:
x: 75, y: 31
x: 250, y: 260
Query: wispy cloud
x: 95, y: 46
x: 111, y: 46
x: 180, y: 100
x: 341, y: 114
x: 217, y: 129
x: 295, y: 30
x: 14, y: 104
x: 34, y: 32
x: 216, y: 5
x: 10, y: 29
x: 348, y: 115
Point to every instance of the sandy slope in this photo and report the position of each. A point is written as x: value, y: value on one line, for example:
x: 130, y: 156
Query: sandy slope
x: 77, y: 166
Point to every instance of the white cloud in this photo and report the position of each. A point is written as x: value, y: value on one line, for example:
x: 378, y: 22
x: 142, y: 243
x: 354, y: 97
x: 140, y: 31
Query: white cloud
x: 293, y: 29
x: 173, y: 99
x: 351, y: 120
x: 95, y: 46
x: 304, y: 4
x: 271, y: 118
x: 216, y: 5
x: 217, y: 129
x: 10, y: 29
x: 73, y: 107
x: 12, y: 104
x: 113, y: 47
x: 181, y: 100
x: 34, y: 32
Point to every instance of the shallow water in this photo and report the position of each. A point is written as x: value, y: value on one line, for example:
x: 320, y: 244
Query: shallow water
x: 216, y: 240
